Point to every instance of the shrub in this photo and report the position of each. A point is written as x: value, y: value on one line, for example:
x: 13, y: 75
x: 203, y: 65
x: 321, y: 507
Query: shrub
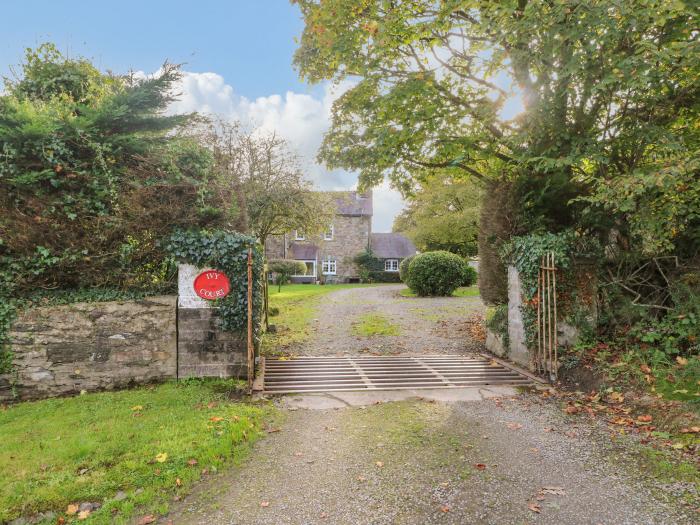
x: 284, y: 269
x: 470, y: 275
x: 436, y: 273
x: 403, y: 268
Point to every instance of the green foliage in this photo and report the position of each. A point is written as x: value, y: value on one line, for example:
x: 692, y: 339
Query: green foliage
x: 608, y: 137
x: 93, y: 176
x: 226, y: 252
x: 98, y: 436
x: 470, y: 276
x: 443, y: 214
x: 678, y: 332
x: 497, y: 322
x: 403, y: 268
x: 284, y: 269
x: 436, y: 273
x: 371, y: 269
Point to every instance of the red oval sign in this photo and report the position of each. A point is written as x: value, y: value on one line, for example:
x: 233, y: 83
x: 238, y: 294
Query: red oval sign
x: 212, y: 285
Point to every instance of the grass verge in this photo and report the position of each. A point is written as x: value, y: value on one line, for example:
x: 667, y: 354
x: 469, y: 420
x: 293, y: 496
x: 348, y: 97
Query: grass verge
x: 371, y: 324
x: 130, y: 451
x: 463, y: 291
x: 297, y: 305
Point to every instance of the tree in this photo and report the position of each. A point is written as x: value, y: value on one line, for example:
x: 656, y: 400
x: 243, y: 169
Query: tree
x: 443, y: 215
x: 272, y: 195
x: 93, y: 176
x: 610, y: 95
x: 284, y: 269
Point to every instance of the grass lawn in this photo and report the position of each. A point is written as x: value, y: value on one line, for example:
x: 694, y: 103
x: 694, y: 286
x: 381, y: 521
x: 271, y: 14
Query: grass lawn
x: 463, y: 291
x: 297, y: 305
x: 131, y: 451
x: 375, y: 324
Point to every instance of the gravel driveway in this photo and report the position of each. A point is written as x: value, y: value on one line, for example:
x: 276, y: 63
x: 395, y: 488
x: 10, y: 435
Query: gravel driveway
x: 426, y: 325
x: 463, y: 456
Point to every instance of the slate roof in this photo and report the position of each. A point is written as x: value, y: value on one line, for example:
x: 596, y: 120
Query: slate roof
x: 353, y: 203
x: 392, y: 246
x: 303, y: 252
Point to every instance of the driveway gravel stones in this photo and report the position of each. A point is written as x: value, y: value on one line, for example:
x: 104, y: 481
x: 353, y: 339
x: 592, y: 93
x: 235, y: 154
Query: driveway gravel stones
x: 481, y: 456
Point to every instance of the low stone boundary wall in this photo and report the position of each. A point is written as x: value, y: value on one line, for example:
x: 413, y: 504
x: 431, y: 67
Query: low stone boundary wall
x: 62, y: 350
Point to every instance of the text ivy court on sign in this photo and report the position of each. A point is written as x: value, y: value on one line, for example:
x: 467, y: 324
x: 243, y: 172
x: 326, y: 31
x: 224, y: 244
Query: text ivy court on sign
x: 212, y: 285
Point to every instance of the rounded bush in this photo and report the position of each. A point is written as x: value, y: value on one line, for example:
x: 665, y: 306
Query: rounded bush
x: 403, y: 268
x: 436, y: 273
x: 470, y: 276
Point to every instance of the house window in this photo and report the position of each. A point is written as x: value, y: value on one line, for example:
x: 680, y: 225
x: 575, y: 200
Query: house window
x: 328, y: 266
x: 391, y: 265
x: 328, y: 234
x: 310, y: 269
x: 299, y: 236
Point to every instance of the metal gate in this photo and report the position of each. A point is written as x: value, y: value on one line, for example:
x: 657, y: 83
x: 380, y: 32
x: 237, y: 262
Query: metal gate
x: 546, y: 356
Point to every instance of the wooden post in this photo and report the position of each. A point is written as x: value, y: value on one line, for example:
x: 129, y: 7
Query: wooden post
x: 556, y: 336
x: 538, y: 353
x: 251, y: 350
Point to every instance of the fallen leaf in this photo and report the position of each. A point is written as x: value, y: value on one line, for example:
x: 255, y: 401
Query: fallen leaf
x: 514, y: 426
x: 272, y: 430
x: 571, y: 409
x: 681, y: 360
x: 534, y: 507
x: 445, y: 508
x: 558, y: 491
x: 72, y: 509
x: 147, y: 519
x: 264, y: 504
x: 192, y: 462
x: 298, y: 454
x: 645, y: 369
x: 178, y: 482
x: 162, y: 457
x: 216, y: 419
x: 380, y: 464
x: 479, y: 466
x: 615, y: 397
x: 646, y: 418
x: 323, y: 515
x: 361, y: 478
x: 137, y: 407
x: 691, y: 430
x: 83, y: 514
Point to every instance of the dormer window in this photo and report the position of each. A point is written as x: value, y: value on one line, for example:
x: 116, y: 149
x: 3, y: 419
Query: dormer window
x: 299, y: 236
x: 328, y: 234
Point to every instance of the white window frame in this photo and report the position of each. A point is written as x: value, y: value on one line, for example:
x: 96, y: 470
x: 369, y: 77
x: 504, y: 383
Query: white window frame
x: 329, y: 266
x: 299, y: 236
x: 306, y: 261
x: 391, y: 265
x: 329, y: 233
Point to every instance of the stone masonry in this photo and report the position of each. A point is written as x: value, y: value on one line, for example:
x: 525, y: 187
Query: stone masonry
x: 62, y: 350
x: 204, y: 350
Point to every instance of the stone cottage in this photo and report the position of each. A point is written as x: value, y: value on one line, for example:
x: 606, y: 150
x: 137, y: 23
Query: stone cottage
x: 330, y: 256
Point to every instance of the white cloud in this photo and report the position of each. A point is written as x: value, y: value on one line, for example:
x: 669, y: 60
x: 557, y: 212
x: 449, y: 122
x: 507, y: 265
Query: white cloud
x: 300, y: 118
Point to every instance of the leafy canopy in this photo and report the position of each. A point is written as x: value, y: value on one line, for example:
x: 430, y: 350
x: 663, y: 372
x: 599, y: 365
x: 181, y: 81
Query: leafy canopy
x: 609, y: 93
x: 443, y: 215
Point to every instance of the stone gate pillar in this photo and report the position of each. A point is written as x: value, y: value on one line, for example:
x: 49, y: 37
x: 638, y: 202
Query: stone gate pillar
x: 203, y: 348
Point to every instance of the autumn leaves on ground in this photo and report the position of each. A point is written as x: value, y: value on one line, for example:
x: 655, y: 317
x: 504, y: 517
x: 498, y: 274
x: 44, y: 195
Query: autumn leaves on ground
x: 101, y: 457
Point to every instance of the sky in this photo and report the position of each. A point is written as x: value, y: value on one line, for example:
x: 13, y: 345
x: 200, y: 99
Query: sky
x: 236, y: 55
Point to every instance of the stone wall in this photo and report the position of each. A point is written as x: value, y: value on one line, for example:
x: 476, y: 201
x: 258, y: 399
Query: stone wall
x: 204, y: 350
x: 62, y: 350
x: 351, y: 236
x: 516, y: 329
